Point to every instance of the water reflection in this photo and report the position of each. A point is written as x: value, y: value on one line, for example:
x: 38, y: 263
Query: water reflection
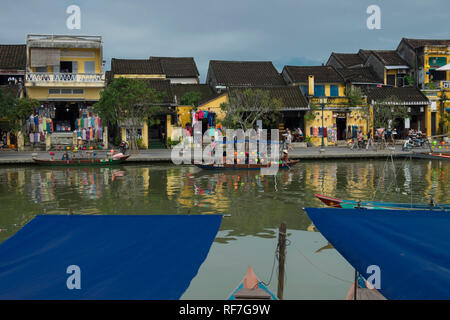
x: 257, y: 204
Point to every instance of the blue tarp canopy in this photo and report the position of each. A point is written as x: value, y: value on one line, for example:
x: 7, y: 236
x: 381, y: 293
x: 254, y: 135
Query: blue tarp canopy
x: 411, y: 248
x: 118, y: 257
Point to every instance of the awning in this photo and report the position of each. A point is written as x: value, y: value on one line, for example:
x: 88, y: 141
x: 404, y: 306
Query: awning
x: 45, y: 57
x: 119, y: 257
x: 411, y: 248
x: 444, y: 68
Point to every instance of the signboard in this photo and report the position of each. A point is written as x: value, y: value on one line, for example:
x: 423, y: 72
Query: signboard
x: 446, y: 84
x: 437, y: 62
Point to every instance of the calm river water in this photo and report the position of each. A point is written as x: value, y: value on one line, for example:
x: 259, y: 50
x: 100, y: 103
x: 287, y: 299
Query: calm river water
x: 257, y: 205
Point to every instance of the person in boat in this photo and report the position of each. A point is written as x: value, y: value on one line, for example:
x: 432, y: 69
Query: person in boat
x: 285, y: 157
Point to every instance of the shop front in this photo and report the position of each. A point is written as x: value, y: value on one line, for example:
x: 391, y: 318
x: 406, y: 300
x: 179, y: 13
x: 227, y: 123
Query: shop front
x: 64, y: 123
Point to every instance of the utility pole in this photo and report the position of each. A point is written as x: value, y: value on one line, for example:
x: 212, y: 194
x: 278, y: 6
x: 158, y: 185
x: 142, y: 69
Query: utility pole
x: 281, y: 258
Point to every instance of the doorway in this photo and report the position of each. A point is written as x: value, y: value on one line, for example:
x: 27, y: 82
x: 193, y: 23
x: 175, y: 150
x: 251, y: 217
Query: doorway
x: 341, y: 125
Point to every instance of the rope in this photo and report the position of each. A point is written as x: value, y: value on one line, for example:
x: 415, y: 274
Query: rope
x: 319, y: 269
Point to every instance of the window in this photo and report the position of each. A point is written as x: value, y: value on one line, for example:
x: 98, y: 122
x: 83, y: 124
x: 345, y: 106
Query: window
x: 41, y: 69
x: 390, y: 79
x: 65, y: 91
x: 54, y: 91
x: 304, y: 89
x: 334, y: 90
x: 319, y: 90
x: 437, y: 75
x: 89, y: 67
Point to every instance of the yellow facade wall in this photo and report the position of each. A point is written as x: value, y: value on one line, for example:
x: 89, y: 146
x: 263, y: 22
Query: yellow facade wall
x: 214, y: 105
x: 41, y: 93
x: 80, y: 60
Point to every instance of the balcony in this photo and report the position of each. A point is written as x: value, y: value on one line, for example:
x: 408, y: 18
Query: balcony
x: 46, y: 79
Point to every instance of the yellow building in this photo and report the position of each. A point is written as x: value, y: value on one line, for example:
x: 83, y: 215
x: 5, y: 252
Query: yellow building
x: 325, y: 87
x: 428, y: 56
x: 174, y: 77
x: 65, y: 73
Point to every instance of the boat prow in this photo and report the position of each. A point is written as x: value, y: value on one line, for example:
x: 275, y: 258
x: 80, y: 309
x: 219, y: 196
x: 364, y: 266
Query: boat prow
x: 251, y: 288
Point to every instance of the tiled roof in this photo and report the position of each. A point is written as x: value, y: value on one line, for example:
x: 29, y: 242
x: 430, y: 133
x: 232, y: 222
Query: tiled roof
x: 322, y: 74
x: 245, y: 73
x: 348, y: 59
x: 405, y: 94
x: 418, y: 43
x: 13, y: 56
x: 135, y: 66
x: 180, y: 90
x: 389, y: 57
x: 359, y: 75
x: 183, y: 67
x: 162, y: 86
x: 291, y: 96
x: 364, y: 54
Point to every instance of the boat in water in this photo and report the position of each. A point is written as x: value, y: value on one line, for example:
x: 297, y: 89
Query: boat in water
x: 83, y: 161
x: 251, y: 288
x: 381, y: 205
x: 225, y: 166
x: 402, y: 254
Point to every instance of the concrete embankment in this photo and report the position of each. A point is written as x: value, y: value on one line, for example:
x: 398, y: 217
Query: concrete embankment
x: 164, y: 155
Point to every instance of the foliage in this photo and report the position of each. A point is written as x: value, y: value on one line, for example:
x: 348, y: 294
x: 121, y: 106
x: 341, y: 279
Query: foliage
x: 128, y: 102
x: 171, y: 143
x: 410, y: 81
x: 387, y: 111
x: 16, y: 110
x: 355, y: 96
x: 140, y: 143
x: 431, y: 85
x: 191, y: 98
x: 248, y: 106
x: 311, y: 114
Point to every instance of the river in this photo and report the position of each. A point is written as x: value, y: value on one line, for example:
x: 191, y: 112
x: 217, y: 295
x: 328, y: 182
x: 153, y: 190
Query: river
x: 256, y: 206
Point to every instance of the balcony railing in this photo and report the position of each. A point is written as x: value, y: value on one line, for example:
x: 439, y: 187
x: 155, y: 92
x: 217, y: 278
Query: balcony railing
x: 44, y: 77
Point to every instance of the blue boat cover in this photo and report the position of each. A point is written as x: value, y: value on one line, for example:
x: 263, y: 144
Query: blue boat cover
x: 411, y: 248
x: 105, y: 256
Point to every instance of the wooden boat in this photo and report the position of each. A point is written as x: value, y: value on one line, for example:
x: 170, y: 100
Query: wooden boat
x: 81, y: 161
x: 352, y: 204
x: 225, y: 166
x: 251, y: 288
x: 431, y: 156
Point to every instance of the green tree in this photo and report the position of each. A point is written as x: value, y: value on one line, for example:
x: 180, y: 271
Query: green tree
x: 245, y: 107
x: 191, y: 98
x: 129, y: 102
x: 388, y: 111
x: 16, y: 110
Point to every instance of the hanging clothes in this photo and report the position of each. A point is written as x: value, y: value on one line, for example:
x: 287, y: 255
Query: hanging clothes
x: 210, y: 118
x: 315, y: 131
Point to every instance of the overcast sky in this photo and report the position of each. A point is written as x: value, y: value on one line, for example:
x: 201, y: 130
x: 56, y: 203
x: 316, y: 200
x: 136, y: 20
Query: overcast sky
x: 300, y: 32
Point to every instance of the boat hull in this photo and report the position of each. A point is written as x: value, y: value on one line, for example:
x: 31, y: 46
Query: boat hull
x: 80, y: 162
x: 381, y: 205
x: 244, y: 166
